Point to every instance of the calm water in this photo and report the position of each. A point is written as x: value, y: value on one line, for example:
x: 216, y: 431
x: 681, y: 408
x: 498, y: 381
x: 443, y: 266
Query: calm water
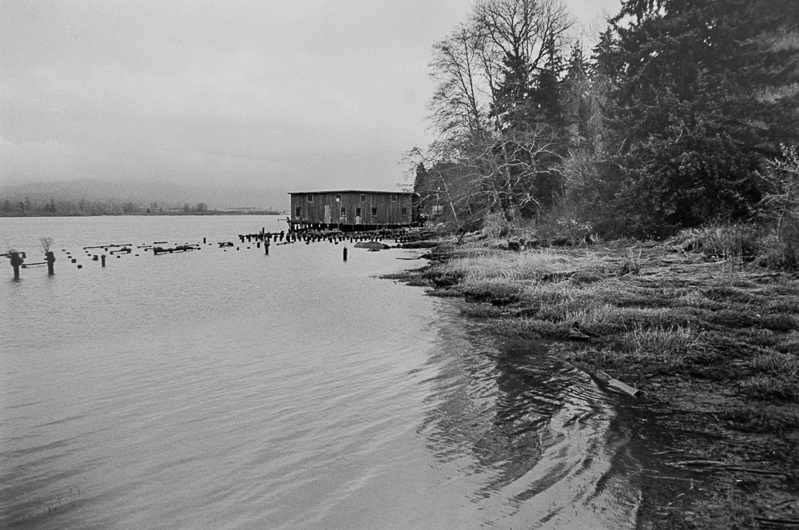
x: 230, y: 389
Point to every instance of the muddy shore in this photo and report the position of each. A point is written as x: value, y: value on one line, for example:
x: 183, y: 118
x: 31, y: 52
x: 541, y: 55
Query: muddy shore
x: 711, y: 344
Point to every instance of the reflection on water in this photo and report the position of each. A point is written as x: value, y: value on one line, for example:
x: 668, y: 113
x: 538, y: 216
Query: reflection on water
x: 229, y: 389
x: 538, y: 430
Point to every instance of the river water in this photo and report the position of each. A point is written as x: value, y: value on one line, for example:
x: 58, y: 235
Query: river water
x: 226, y: 388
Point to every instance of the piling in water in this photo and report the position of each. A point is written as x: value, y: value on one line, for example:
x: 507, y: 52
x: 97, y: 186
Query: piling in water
x: 17, y: 259
x: 49, y: 257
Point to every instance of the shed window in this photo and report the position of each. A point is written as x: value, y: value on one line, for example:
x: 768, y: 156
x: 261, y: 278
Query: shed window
x: 404, y: 210
x: 298, y: 211
x: 338, y: 197
x: 310, y: 198
x: 357, y: 212
x: 363, y: 197
x: 393, y: 198
x: 374, y: 212
x: 343, y: 212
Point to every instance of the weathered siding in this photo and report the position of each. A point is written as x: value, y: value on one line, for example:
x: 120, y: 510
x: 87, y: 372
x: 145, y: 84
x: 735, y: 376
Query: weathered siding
x: 352, y: 208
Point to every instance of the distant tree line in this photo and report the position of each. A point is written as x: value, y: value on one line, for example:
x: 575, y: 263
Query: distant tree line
x: 685, y: 113
x: 44, y: 207
x: 52, y: 207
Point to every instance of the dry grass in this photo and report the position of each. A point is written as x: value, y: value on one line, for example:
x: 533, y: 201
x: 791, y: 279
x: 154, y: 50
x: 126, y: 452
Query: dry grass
x: 483, y: 265
x: 647, y: 310
x: 722, y: 240
x: 760, y: 418
x: 778, y: 376
x: 661, y: 345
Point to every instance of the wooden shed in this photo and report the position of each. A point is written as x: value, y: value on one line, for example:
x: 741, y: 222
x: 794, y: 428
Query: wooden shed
x: 352, y: 209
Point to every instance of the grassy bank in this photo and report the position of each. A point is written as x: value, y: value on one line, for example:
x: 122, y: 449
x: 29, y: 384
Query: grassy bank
x: 710, y: 339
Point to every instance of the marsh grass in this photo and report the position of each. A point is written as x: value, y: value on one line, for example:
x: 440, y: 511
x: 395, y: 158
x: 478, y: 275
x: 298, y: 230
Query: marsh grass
x: 645, y: 309
x: 507, y: 266
x: 723, y: 240
x: 759, y: 418
x: 666, y: 345
x: 778, y: 376
x: 641, y: 351
x: 766, y: 386
x: 788, y: 343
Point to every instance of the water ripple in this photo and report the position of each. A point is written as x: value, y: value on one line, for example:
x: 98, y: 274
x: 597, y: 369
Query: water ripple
x: 231, y: 390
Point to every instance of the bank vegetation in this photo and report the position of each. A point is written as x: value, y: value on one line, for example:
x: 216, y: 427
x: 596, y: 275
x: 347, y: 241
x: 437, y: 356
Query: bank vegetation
x: 638, y: 207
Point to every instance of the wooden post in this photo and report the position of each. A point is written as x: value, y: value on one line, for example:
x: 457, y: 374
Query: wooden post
x: 17, y: 259
x: 345, y: 253
x: 49, y: 257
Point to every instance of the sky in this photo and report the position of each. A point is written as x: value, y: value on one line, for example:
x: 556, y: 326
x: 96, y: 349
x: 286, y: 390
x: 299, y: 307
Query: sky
x: 267, y: 94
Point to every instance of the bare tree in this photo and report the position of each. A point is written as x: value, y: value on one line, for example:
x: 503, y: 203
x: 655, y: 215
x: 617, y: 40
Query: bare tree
x: 46, y: 243
x: 485, y: 71
x: 462, y: 99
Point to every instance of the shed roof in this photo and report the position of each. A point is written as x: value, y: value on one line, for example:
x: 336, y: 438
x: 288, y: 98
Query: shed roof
x: 351, y: 191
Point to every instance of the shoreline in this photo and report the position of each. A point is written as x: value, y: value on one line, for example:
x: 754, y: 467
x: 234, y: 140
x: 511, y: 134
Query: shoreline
x: 712, y: 345
x: 171, y: 213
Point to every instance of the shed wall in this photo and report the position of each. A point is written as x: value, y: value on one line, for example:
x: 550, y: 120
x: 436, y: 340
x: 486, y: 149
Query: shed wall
x: 342, y: 208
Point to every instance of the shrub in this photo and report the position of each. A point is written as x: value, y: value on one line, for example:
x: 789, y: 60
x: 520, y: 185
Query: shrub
x: 726, y: 240
x: 780, y: 203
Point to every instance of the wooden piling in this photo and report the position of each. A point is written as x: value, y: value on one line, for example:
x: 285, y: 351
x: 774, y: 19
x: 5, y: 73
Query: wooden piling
x: 50, y: 259
x: 17, y: 259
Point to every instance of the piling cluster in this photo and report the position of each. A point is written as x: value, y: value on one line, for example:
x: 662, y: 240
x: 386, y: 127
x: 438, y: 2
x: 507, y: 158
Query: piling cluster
x: 372, y: 240
x: 310, y: 235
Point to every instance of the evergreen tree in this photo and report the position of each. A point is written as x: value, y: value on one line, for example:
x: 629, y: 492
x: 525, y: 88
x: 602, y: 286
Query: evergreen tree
x: 699, y: 92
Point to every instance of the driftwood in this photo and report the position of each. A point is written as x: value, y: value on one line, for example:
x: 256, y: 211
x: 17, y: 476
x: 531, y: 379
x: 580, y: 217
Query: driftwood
x: 618, y: 385
x: 615, y: 383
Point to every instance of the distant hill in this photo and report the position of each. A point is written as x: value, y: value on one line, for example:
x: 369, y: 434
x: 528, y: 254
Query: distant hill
x: 145, y: 193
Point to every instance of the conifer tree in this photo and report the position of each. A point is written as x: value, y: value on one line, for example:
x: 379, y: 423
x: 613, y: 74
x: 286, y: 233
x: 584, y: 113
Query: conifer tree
x: 699, y: 92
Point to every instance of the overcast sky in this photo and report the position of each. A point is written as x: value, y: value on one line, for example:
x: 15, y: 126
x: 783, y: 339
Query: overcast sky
x: 273, y: 94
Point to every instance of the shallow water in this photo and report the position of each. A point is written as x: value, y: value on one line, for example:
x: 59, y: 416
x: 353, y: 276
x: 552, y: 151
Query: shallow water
x: 231, y: 389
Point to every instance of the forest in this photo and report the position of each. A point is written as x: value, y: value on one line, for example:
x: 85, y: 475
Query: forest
x: 683, y: 118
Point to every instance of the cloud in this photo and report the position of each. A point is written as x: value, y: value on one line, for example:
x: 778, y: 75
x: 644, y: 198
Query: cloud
x: 248, y: 91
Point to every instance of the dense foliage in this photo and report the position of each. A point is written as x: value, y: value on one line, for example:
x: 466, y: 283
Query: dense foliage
x: 672, y: 123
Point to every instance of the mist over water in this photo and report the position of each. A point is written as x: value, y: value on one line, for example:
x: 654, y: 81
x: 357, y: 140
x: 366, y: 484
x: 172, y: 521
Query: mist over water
x: 231, y: 389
